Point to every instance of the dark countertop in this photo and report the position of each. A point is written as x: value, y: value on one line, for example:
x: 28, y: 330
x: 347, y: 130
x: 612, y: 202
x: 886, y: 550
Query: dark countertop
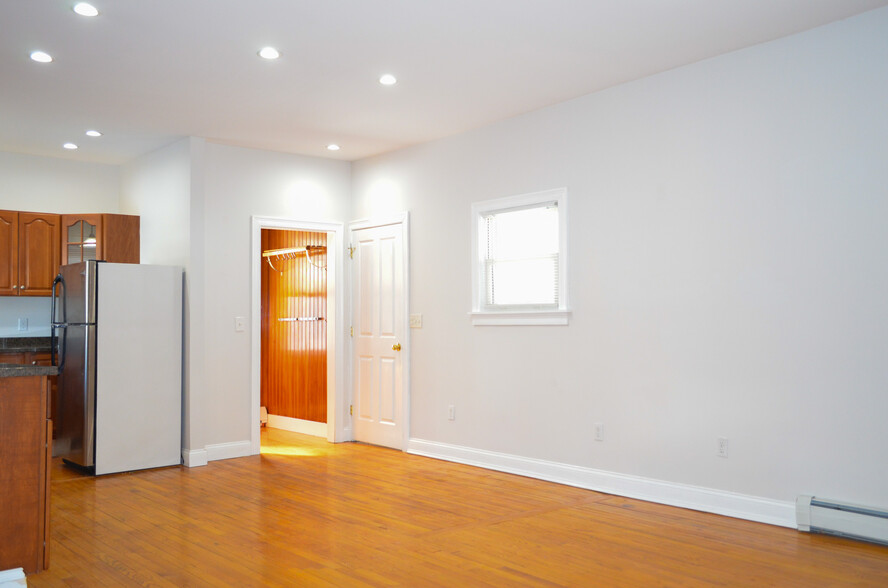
x: 22, y: 344
x: 11, y: 370
x: 33, y: 344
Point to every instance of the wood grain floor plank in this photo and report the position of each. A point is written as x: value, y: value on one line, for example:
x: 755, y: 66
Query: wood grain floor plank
x: 309, y: 513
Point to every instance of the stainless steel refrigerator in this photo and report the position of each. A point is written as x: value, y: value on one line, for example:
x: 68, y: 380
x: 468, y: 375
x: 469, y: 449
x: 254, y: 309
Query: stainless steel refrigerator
x: 119, y: 333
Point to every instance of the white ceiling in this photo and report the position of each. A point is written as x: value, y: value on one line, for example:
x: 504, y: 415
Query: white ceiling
x: 147, y: 72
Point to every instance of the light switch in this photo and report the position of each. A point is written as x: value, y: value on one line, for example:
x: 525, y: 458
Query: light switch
x: 415, y: 321
x: 240, y: 324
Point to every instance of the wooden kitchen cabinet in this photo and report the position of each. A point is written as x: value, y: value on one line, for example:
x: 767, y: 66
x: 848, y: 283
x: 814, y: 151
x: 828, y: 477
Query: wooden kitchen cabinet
x: 45, y: 358
x: 107, y: 237
x: 8, y: 252
x: 16, y: 357
x: 26, y: 454
x: 29, y: 258
x: 33, y: 245
x: 38, y: 358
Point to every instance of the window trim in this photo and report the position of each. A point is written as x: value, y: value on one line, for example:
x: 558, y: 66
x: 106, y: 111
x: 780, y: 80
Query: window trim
x: 482, y: 316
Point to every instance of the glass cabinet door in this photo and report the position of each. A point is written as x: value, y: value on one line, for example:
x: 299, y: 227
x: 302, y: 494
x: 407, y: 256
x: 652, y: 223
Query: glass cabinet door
x: 80, y: 241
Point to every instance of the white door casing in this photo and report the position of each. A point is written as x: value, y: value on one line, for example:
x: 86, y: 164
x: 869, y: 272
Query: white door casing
x: 379, y: 320
x: 337, y: 394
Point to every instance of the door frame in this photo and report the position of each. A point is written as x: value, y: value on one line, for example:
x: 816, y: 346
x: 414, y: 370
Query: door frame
x: 338, y: 423
x: 402, y: 219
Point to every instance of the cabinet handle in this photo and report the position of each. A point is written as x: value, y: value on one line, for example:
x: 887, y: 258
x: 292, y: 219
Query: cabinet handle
x: 14, y: 287
x: 22, y: 287
x: 34, y: 362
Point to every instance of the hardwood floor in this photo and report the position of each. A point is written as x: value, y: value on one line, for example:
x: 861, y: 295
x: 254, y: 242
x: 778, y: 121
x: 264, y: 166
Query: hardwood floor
x: 308, y: 513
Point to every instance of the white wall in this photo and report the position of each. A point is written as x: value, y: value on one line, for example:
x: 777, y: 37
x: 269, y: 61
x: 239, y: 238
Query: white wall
x: 238, y: 184
x: 196, y: 200
x: 45, y: 184
x: 157, y: 187
x: 729, y: 274
x: 33, y: 308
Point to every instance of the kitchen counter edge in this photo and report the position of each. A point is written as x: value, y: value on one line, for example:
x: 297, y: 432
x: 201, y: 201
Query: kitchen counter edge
x: 22, y: 344
x: 11, y: 370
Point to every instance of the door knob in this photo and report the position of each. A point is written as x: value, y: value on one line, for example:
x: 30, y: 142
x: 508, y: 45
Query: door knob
x: 396, y: 347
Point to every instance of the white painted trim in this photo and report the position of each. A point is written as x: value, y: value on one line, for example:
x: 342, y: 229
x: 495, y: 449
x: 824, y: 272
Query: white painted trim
x: 230, y: 450
x: 193, y: 458
x: 337, y: 389
x: 403, y: 219
x: 405, y: 328
x: 537, y: 317
x: 10, y: 578
x: 276, y: 421
x: 394, y: 218
x: 803, y: 512
x: 741, y: 506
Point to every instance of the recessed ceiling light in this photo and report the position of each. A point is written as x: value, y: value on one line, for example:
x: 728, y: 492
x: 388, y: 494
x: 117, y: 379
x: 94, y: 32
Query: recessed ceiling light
x: 93, y: 133
x: 269, y: 53
x: 84, y: 9
x: 388, y: 80
x: 333, y: 147
x: 71, y: 146
x: 41, y: 56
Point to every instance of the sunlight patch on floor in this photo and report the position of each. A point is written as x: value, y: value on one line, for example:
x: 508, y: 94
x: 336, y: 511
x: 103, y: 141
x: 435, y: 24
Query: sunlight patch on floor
x: 290, y: 451
x: 290, y: 444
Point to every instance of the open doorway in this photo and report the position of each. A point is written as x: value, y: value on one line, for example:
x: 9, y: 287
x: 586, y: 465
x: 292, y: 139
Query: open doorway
x: 293, y: 389
x: 297, y: 313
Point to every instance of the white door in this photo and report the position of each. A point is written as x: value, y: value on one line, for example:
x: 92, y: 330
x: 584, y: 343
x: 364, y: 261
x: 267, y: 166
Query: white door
x: 379, y: 317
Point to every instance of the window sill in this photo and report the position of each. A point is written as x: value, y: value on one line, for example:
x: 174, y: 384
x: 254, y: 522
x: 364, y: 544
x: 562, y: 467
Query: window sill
x: 518, y: 318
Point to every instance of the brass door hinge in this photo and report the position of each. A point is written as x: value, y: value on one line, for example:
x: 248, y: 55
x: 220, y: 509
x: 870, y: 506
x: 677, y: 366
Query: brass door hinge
x: 351, y: 410
x: 351, y: 252
x: 351, y: 331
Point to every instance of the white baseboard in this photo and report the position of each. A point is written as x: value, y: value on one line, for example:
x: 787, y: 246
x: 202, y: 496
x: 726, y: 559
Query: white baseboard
x: 193, y: 458
x: 13, y: 578
x: 200, y: 457
x: 741, y: 506
x: 297, y: 425
x: 229, y: 450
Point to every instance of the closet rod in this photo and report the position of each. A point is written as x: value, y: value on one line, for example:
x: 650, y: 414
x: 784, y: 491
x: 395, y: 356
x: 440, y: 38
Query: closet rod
x: 292, y: 253
x: 301, y: 319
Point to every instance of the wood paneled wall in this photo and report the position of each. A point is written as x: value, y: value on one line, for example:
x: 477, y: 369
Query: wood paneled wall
x: 294, y: 354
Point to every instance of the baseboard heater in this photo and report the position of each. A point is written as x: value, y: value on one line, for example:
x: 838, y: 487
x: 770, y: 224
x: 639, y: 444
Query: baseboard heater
x: 817, y: 515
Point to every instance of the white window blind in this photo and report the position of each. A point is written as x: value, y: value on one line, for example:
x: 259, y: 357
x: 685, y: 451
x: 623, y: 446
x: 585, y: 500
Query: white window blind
x: 521, y: 262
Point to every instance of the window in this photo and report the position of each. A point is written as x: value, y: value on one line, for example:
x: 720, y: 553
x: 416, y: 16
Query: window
x: 519, y: 260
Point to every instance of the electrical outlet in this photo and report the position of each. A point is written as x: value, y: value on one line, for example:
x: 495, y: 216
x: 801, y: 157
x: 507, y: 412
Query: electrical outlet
x: 723, y: 447
x: 451, y: 413
x: 415, y: 321
x: 599, y: 431
x: 240, y: 324
x: 23, y: 324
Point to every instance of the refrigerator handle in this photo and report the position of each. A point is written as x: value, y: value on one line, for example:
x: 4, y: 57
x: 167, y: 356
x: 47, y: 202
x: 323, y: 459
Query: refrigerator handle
x: 63, y: 344
x: 53, y: 324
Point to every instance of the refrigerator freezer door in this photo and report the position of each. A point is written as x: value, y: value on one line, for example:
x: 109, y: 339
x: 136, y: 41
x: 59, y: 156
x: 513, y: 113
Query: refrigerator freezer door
x: 78, y: 306
x: 139, y: 367
x: 76, y: 395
